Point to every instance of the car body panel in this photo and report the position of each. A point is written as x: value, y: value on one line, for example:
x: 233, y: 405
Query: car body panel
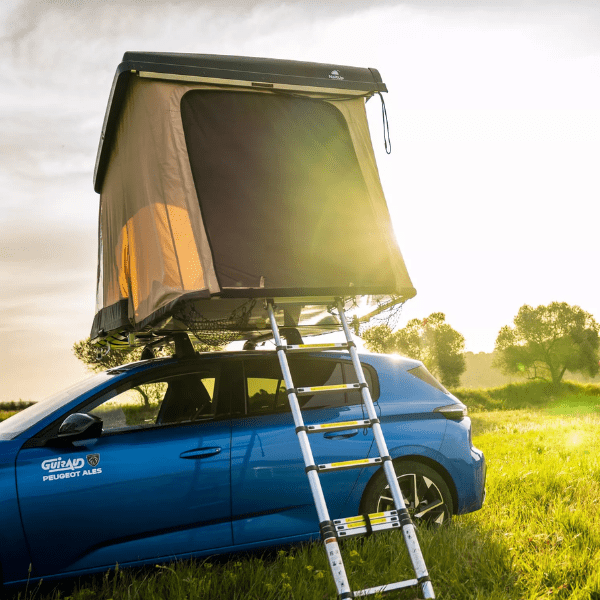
x: 14, y: 554
x: 268, y: 473
x: 141, y: 499
x: 238, y: 548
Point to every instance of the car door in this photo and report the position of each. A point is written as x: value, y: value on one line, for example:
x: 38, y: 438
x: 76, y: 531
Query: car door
x: 154, y: 484
x: 271, y: 496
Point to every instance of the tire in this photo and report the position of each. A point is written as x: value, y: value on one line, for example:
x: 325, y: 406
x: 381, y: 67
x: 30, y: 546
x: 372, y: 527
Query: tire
x: 434, y: 506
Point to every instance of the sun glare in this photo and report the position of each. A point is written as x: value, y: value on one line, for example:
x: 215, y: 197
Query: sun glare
x: 575, y: 438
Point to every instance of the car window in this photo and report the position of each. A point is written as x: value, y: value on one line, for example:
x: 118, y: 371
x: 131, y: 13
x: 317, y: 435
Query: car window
x: 265, y: 389
x: 178, y: 399
x: 266, y: 394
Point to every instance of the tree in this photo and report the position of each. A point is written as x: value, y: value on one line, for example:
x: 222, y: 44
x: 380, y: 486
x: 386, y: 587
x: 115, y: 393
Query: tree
x: 547, y: 341
x: 431, y: 340
x: 380, y: 338
x: 87, y: 353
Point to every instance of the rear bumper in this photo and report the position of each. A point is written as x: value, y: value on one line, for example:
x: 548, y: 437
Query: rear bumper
x: 479, y: 476
x: 466, y: 465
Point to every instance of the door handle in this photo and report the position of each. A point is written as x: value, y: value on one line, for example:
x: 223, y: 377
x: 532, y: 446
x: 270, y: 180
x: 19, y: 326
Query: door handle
x: 201, y: 452
x: 336, y: 435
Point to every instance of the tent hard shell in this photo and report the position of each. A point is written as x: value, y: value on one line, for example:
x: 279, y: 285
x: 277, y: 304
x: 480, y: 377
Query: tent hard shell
x: 227, y: 180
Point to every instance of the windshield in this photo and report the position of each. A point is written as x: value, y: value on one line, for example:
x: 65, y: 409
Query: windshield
x: 23, y: 420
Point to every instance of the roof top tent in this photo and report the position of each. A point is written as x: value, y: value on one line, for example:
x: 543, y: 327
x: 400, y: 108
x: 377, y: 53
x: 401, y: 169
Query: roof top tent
x: 226, y: 180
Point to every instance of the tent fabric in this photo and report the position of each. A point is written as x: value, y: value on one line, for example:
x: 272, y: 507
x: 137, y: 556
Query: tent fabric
x: 214, y: 192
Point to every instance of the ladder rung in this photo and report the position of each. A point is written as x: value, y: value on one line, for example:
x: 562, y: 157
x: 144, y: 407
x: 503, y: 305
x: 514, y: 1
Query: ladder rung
x: 350, y: 464
x: 319, y: 389
x: 381, y: 521
x: 314, y: 347
x: 328, y: 427
x: 383, y: 589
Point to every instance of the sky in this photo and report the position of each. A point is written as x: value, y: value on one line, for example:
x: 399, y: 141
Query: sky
x: 492, y: 181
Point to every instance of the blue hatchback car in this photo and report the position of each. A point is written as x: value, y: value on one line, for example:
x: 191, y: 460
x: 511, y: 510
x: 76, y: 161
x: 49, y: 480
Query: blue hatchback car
x: 181, y: 457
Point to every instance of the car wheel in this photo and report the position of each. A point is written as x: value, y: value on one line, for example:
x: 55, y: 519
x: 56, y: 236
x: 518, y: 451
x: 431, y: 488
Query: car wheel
x: 426, y: 494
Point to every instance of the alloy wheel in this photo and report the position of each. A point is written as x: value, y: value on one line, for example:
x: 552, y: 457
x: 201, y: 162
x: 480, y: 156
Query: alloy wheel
x: 423, y: 498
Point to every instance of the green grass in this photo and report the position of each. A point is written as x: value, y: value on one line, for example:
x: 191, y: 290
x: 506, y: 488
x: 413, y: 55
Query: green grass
x: 575, y: 404
x: 537, y: 537
x: 4, y: 414
x: 543, y: 505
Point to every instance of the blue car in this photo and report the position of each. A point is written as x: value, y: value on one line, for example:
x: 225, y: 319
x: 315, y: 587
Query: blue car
x: 185, y: 457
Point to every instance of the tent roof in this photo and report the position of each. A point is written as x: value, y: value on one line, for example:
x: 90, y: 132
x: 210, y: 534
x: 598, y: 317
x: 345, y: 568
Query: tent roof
x: 239, y: 71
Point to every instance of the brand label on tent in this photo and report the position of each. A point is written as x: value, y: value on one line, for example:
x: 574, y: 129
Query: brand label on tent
x: 335, y: 74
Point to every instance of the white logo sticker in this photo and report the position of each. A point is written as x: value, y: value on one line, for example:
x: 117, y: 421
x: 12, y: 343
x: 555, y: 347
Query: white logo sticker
x: 67, y: 469
x: 335, y: 74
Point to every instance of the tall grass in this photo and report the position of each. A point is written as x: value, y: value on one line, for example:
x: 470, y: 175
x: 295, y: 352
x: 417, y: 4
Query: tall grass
x: 543, y: 500
x: 4, y: 414
x: 537, y: 537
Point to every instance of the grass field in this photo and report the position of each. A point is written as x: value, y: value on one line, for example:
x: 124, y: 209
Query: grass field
x: 4, y: 414
x: 538, y: 535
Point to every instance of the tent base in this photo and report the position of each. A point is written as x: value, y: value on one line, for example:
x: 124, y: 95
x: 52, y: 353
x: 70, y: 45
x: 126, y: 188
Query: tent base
x: 219, y: 321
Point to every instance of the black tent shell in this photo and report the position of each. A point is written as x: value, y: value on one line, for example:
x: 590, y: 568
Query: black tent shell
x: 228, y: 180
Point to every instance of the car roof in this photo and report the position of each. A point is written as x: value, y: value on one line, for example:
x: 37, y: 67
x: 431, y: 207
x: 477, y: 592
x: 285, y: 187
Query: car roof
x: 404, y: 362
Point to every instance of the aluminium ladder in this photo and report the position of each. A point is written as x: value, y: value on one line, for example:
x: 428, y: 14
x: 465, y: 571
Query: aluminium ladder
x: 331, y: 531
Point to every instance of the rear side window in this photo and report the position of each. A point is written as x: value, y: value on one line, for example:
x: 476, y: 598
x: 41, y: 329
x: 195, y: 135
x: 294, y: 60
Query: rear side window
x: 265, y: 388
x: 310, y: 373
x: 355, y: 397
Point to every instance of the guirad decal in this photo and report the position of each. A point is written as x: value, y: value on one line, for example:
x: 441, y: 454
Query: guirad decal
x: 52, y: 465
x: 57, y: 468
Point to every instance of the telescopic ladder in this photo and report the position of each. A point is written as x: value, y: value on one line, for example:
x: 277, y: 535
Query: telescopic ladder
x: 332, y: 531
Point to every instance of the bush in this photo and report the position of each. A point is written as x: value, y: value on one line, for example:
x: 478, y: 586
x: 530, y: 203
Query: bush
x: 15, y: 406
x: 527, y: 394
